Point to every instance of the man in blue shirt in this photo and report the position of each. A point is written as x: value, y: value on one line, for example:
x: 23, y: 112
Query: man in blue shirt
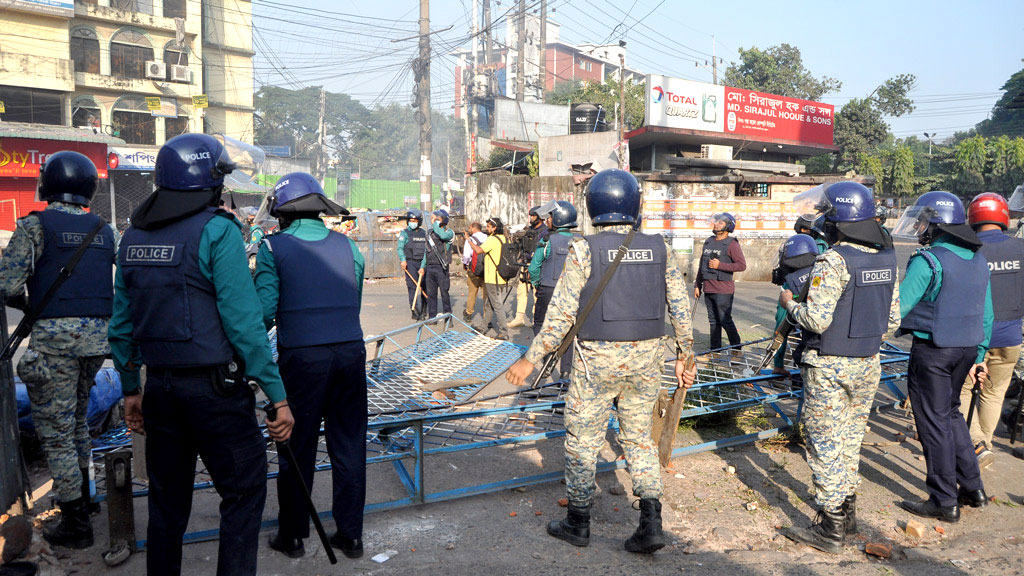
x: 436, y: 262
x: 946, y: 303
x: 989, y: 215
x: 310, y: 280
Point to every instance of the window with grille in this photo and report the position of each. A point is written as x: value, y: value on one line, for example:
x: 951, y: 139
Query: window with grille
x: 129, y: 52
x: 175, y: 126
x: 132, y: 121
x: 85, y: 50
x: 85, y: 113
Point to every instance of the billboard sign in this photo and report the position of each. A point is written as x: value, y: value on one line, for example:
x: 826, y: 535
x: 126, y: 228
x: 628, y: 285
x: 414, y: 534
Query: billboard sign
x: 65, y: 8
x: 143, y: 159
x: 676, y: 103
x: 21, y: 157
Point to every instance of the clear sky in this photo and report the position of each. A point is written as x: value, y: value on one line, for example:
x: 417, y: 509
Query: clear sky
x: 961, y: 52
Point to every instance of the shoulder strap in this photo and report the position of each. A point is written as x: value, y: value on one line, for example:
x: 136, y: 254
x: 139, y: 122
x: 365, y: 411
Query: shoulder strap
x: 933, y: 263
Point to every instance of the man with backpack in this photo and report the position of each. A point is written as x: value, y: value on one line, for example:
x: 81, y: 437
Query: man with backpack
x: 474, y: 265
x: 499, y: 267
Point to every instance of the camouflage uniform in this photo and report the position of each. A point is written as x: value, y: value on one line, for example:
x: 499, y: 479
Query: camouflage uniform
x: 59, y: 367
x: 838, y: 391
x: 605, y: 371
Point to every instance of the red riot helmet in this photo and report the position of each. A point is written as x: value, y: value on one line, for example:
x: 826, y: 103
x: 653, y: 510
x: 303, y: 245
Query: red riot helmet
x: 988, y: 208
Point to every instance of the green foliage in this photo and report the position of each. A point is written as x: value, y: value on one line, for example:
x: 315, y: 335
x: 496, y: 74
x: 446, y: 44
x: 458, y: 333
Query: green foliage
x: 892, y: 99
x: 969, y: 161
x: 291, y: 117
x: 778, y: 70
x: 533, y: 162
x: 606, y: 95
x: 859, y: 129
x: 1007, y: 118
x: 900, y: 177
x: 1007, y: 157
x: 871, y: 165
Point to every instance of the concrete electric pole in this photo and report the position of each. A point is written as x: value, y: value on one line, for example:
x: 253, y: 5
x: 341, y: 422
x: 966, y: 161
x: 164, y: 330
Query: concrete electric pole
x: 423, y: 90
x: 543, y: 48
x: 521, y: 51
x: 622, y: 106
x: 321, y: 158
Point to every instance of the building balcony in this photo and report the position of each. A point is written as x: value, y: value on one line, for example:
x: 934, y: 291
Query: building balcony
x: 33, y: 71
x: 87, y: 81
x: 193, y: 26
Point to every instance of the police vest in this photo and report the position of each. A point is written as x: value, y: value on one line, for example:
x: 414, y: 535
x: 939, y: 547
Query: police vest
x: 415, y: 244
x: 90, y: 289
x: 632, y: 305
x: 551, y: 269
x: 532, y: 237
x: 956, y: 317
x: 861, y: 315
x: 319, y: 297
x: 1005, y: 256
x: 173, y: 306
x: 439, y: 256
x: 795, y: 280
x: 714, y: 248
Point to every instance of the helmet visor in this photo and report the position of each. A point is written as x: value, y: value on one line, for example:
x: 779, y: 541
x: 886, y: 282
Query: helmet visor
x: 547, y: 208
x: 1016, y: 201
x: 913, y: 222
x: 812, y: 203
x: 240, y: 162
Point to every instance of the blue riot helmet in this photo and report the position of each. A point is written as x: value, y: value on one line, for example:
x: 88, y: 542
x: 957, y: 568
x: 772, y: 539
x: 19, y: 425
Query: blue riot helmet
x: 300, y: 193
x: 613, y: 197
x: 838, y: 202
x: 728, y: 219
x: 799, y: 251
x: 443, y: 215
x: 194, y: 162
x: 563, y: 214
x: 935, y: 213
x: 67, y: 177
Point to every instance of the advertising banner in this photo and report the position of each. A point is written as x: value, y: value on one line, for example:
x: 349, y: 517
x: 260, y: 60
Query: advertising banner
x: 143, y: 159
x: 65, y: 8
x: 21, y: 157
x: 688, y: 105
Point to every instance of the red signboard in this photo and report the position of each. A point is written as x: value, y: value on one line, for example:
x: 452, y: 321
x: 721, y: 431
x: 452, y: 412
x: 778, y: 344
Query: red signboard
x: 21, y: 157
x: 774, y: 117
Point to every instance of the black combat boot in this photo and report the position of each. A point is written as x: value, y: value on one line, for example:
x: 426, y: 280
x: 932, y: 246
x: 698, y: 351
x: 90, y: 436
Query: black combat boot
x: 74, y: 529
x: 828, y: 533
x: 575, y: 528
x: 350, y: 547
x: 92, y: 507
x: 850, y: 509
x: 290, y: 547
x: 648, y: 537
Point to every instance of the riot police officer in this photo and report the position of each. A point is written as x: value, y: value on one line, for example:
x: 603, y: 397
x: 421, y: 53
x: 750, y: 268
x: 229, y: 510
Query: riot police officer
x: 186, y: 308
x: 619, y: 358
x: 438, y: 261
x: 812, y: 228
x: 548, y: 261
x: 412, y: 251
x: 989, y: 216
x: 795, y: 263
x: 310, y: 280
x: 68, y: 341
x: 852, y: 303
x: 947, y: 306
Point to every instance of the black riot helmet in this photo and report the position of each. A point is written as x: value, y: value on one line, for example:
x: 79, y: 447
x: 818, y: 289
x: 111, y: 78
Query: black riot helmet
x: 613, y: 197
x: 68, y: 177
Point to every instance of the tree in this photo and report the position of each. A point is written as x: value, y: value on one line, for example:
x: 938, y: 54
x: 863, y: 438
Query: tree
x: 1008, y: 113
x: 859, y: 130
x: 778, y: 70
x: 871, y: 165
x: 969, y: 161
x: 1007, y: 161
x: 900, y: 177
x: 387, y: 145
x: 606, y: 95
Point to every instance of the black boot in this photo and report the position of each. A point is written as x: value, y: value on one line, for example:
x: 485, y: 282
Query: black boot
x: 850, y: 509
x: 290, y: 547
x: 648, y: 537
x: 828, y: 533
x: 929, y: 509
x: 93, y: 507
x: 575, y: 528
x: 74, y: 529
x: 351, y: 548
x: 972, y: 498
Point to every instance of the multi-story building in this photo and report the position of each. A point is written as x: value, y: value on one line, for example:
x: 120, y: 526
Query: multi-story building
x: 129, y: 68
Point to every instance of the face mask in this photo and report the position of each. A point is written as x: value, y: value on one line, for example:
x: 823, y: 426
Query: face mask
x: 413, y: 225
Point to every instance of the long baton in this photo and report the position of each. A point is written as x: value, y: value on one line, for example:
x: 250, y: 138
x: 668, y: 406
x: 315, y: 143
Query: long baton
x: 975, y: 395
x: 286, y: 449
x: 417, y: 282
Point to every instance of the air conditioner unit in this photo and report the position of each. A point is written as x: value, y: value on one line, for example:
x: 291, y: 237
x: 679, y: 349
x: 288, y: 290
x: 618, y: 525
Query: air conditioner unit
x: 180, y: 73
x: 156, y: 70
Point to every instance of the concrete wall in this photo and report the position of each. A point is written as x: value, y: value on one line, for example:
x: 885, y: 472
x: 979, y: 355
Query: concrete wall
x: 528, y: 121
x: 559, y: 153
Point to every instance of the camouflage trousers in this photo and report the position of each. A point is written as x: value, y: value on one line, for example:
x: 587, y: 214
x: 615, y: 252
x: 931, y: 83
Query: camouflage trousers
x: 58, y: 390
x: 588, y: 406
x: 837, y: 402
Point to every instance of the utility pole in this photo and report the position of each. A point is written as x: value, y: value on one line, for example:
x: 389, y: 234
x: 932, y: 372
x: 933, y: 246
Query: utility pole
x: 543, y: 47
x: 423, y: 88
x: 321, y: 159
x: 488, y: 39
x: 520, y: 50
x: 714, y: 61
x: 622, y: 106
x: 471, y: 91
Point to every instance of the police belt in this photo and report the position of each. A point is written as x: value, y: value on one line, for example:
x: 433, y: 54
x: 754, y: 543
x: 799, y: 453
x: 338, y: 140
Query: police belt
x: 225, y: 379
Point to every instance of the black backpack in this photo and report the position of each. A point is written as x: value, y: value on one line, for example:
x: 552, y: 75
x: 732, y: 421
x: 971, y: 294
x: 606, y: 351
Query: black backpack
x: 476, y: 262
x: 506, y: 265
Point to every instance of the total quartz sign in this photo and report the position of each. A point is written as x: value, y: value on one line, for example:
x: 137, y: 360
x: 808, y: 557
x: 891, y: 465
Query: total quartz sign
x: 677, y: 103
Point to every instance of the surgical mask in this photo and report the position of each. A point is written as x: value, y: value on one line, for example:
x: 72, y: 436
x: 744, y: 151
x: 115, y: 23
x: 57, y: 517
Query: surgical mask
x: 414, y: 225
